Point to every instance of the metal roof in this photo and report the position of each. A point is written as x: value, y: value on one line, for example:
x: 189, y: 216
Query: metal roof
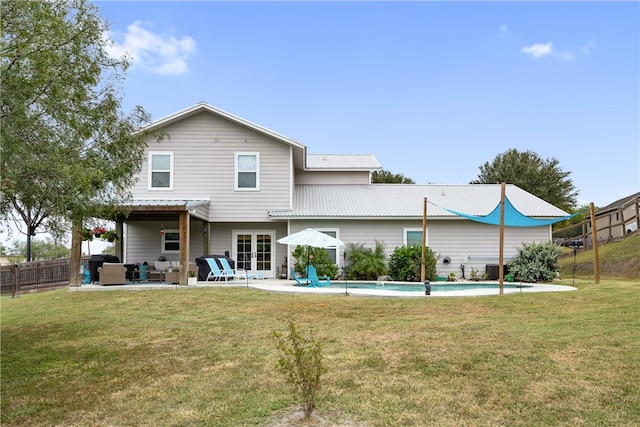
x: 407, y: 201
x: 342, y: 161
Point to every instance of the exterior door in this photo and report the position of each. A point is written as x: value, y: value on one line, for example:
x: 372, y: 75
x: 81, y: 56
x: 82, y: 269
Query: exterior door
x: 254, y: 251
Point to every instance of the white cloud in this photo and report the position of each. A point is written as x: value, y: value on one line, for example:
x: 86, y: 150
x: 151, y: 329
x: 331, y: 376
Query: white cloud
x: 538, y: 50
x: 503, y: 29
x: 161, y: 54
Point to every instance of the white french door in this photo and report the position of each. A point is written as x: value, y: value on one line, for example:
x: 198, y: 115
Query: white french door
x: 254, y: 251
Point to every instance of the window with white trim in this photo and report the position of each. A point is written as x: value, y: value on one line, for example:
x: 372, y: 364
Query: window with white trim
x: 161, y: 170
x: 247, y: 171
x: 170, y: 242
x: 332, y: 251
x: 413, y: 236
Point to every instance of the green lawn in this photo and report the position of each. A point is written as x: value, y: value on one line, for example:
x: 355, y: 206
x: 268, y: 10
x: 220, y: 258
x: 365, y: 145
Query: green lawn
x: 205, y: 357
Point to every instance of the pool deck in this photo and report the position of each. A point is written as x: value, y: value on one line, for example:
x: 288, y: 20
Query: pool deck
x: 289, y: 286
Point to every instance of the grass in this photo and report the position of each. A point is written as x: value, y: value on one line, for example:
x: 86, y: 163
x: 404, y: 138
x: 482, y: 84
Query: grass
x: 205, y: 357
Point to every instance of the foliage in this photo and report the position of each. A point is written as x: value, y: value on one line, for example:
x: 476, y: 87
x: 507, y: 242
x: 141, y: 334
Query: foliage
x: 405, y: 264
x: 536, y: 262
x: 40, y: 250
x: 68, y: 152
x: 109, y: 235
x: 365, y: 263
x: 576, y: 221
x: 384, y: 176
x: 540, y: 177
x: 301, y: 363
x: 317, y: 257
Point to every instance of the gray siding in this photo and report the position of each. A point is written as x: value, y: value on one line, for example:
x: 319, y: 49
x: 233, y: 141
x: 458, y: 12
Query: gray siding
x: 474, y: 243
x: 144, y: 243
x: 204, y: 148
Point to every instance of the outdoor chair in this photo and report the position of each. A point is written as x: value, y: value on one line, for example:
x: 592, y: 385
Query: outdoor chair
x: 315, y: 280
x: 230, y: 272
x: 112, y: 274
x: 299, y: 281
x: 215, y: 273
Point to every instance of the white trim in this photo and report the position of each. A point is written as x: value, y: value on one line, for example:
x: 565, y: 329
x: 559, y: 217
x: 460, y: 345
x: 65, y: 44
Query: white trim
x: 237, y: 171
x: 151, y: 170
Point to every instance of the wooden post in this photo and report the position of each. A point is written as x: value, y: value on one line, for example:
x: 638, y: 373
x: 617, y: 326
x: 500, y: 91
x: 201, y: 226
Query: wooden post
x: 185, y: 231
x: 424, y: 241
x: 594, y: 239
x: 501, y: 254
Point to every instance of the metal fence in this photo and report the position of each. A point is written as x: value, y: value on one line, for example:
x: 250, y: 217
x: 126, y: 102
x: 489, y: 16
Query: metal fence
x: 34, y: 275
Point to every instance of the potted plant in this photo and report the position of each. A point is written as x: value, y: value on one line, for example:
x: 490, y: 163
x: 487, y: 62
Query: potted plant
x: 87, y: 235
x: 98, y: 231
x: 110, y: 235
x: 193, y: 279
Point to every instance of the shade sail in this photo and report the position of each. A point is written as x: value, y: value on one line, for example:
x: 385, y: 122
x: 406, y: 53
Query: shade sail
x: 512, y: 217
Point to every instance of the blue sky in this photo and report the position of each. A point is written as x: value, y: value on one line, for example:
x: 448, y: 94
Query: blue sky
x: 433, y: 89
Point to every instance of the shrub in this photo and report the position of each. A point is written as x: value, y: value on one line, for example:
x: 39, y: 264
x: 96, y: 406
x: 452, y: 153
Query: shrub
x: 318, y: 257
x: 365, y: 263
x: 301, y: 363
x: 536, y: 262
x: 405, y: 264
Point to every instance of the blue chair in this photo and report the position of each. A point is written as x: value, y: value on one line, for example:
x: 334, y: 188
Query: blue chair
x: 215, y: 273
x: 230, y: 272
x: 299, y: 281
x: 312, y: 274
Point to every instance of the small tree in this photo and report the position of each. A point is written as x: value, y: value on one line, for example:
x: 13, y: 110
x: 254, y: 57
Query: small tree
x: 365, y: 263
x: 301, y: 363
x: 405, y: 264
x: 536, y: 262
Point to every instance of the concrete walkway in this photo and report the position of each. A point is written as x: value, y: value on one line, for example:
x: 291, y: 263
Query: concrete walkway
x: 289, y: 286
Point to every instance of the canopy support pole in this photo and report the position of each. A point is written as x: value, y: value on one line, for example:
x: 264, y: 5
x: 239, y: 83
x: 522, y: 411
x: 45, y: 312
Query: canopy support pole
x: 594, y: 239
x: 501, y: 255
x: 424, y: 241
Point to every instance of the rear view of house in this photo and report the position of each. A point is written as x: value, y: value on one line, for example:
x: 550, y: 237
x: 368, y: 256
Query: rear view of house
x: 220, y: 184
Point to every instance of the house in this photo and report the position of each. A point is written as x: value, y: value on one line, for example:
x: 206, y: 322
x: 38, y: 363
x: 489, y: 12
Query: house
x: 616, y: 220
x: 219, y: 183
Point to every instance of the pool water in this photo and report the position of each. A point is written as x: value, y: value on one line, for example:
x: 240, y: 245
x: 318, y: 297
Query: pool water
x: 403, y: 287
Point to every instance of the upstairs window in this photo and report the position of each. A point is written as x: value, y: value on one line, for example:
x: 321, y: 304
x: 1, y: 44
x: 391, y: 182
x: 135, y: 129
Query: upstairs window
x: 247, y: 172
x: 161, y: 170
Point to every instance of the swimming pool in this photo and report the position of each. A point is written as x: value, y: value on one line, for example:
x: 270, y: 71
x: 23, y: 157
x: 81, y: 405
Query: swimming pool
x: 418, y: 287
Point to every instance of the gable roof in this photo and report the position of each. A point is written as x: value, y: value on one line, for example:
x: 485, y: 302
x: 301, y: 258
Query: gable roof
x: 311, y: 161
x: 398, y: 201
x: 618, y: 203
x: 203, y: 106
x: 342, y: 161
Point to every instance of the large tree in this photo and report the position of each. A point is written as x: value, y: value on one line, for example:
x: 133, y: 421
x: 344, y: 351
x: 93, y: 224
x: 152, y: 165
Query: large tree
x: 68, y: 151
x: 541, y: 177
x: 385, y: 176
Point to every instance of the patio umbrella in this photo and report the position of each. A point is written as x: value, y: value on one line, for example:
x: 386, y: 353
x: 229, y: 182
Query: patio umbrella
x: 311, y: 237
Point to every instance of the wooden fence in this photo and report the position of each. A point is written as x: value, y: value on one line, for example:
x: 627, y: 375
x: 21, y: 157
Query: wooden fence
x: 611, y: 225
x: 34, y: 275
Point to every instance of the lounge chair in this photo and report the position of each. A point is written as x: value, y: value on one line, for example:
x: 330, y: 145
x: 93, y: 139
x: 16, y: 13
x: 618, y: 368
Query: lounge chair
x: 312, y: 274
x: 112, y: 274
x: 215, y: 273
x: 230, y: 272
x: 299, y: 281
